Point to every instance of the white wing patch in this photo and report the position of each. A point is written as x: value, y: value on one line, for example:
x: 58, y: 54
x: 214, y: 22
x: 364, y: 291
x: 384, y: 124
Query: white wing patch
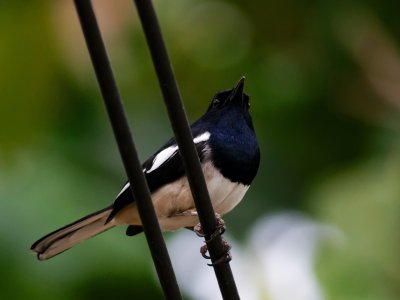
x: 169, y: 152
x: 162, y: 157
x: 202, y: 138
x: 124, y: 189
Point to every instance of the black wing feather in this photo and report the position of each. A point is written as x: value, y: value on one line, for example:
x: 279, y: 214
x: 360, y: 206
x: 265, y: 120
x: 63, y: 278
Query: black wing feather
x: 171, y: 170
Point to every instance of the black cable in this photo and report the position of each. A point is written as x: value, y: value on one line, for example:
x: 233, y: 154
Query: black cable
x: 127, y: 149
x: 184, y: 139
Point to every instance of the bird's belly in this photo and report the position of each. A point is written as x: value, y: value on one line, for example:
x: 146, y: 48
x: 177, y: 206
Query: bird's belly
x: 174, y: 204
x: 232, y: 199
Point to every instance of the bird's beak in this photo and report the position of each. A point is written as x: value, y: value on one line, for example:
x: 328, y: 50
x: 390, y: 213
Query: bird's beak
x: 237, y: 92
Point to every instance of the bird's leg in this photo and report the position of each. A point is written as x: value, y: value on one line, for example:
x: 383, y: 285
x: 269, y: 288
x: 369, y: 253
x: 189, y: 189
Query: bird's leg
x: 220, y: 226
x: 220, y: 229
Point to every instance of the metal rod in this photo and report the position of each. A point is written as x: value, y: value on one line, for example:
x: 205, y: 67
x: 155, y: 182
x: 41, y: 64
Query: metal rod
x: 127, y: 149
x: 177, y: 115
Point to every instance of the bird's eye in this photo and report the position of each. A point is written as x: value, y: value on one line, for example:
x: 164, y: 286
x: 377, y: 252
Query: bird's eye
x: 216, y: 102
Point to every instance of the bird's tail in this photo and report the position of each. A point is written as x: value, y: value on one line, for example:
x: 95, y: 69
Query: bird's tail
x: 68, y: 236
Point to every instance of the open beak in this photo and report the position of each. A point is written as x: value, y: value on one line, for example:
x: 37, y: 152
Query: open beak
x: 237, y: 92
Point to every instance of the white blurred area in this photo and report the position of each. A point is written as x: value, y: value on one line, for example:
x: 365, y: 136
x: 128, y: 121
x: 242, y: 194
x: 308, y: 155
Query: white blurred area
x: 276, y: 262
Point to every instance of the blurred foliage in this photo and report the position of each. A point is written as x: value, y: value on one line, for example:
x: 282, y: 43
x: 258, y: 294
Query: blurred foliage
x: 324, y: 83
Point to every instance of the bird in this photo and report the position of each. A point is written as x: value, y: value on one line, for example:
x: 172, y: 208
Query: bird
x: 229, y: 155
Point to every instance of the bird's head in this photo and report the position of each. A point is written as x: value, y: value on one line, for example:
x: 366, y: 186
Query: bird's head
x: 225, y: 102
x: 229, y: 98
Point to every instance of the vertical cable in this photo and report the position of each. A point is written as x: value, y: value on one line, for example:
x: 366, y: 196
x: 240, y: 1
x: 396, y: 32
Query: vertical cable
x: 127, y: 149
x: 184, y: 139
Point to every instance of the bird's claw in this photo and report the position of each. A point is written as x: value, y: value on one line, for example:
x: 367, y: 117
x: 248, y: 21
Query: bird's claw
x: 203, y: 251
x: 225, y: 257
x: 220, y: 228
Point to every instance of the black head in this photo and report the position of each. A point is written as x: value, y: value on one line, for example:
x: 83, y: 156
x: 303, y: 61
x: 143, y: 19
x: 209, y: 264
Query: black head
x: 232, y: 97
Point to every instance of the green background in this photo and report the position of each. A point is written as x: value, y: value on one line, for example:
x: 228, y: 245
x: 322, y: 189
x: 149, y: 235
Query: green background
x: 324, y: 82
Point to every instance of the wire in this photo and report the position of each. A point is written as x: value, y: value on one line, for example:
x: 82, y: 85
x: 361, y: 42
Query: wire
x: 127, y: 149
x: 184, y: 139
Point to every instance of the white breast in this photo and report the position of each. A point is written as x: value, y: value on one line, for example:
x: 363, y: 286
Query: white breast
x: 175, y: 198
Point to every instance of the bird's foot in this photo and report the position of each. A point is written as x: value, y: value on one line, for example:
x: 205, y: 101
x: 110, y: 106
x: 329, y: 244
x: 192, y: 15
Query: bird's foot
x: 225, y: 257
x: 220, y: 228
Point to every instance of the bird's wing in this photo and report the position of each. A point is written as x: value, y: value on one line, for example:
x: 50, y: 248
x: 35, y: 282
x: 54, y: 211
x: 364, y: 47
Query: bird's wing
x: 164, y: 167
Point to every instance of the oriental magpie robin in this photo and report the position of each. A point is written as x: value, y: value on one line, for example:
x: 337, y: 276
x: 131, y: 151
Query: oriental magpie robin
x: 229, y: 154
